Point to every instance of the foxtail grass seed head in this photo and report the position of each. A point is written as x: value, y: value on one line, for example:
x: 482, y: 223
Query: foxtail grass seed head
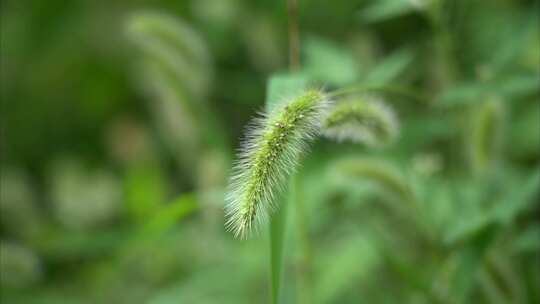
x: 379, y: 171
x: 367, y: 120
x: 269, y: 154
x: 172, y: 47
x: 486, y: 134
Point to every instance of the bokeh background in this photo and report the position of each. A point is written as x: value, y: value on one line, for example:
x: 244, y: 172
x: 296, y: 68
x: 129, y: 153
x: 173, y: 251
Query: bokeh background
x: 120, y: 120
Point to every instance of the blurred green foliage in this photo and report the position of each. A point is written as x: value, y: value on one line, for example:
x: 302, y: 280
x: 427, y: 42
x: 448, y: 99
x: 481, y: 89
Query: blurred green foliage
x: 119, y: 121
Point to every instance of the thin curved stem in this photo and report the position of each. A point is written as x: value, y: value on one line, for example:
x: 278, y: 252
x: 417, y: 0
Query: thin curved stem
x: 398, y: 90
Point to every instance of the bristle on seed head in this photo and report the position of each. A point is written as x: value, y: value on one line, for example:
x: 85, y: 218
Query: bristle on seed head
x: 268, y: 155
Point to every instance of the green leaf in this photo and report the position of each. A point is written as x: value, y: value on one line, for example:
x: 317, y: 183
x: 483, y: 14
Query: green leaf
x: 329, y: 63
x: 519, y: 199
x: 513, y: 41
x: 170, y: 214
x: 346, y: 263
x: 528, y: 240
x: 469, y: 260
x: 525, y: 132
x: 278, y: 226
x: 474, y: 91
x: 382, y: 10
x: 64, y: 245
x: 145, y: 191
x: 467, y: 228
x: 283, y: 86
x: 391, y: 67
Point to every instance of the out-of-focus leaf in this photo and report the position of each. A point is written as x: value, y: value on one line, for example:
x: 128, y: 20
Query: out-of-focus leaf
x: 469, y: 219
x: 436, y: 200
x: 51, y: 295
x: 425, y: 130
x: 463, y: 93
x: 169, y: 215
x: 524, y: 138
x: 467, y: 228
x: 507, y: 87
x: 513, y: 42
x: 60, y: 245
x: 381, y: 10
x: 518, y: 199
x: 517, y: 85
x: 20, y: 267
x: 145, y: 191
x: 352, y: 262
x: 528, y: 240
x: 206, y: 286
x: 283, y: 86
x: 329, y: 63
x: 390, y: 68
x: 468, y: 262
x: 490, y: 289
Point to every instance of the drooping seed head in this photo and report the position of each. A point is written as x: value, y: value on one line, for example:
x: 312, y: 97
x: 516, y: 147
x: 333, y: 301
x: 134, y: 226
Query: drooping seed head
x: 174, y: 48
x: 367, y: 120
x: 270, y: 153
x: 485, y: 138
x: 379, y: 171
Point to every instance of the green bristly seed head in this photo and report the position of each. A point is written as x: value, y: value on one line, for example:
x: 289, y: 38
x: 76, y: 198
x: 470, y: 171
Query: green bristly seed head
x: 363, y: 120
x: 379, y: 171
x: 486, y: 134
x: 268, y: 156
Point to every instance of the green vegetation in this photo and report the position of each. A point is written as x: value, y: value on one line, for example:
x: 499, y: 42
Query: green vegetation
x: 122, y: 123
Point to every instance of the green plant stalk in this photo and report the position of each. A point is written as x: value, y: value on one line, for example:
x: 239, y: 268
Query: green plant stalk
x: 295, y: 190
x: 278, y: 225
x: 278, y: 222
x: 303, y: 266
x: 278, y: 229
x: 294, y: 36
x: 443, y: 45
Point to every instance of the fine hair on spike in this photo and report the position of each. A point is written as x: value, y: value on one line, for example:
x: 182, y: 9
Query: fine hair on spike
x: 366, y: 120
x: 268, y: 155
